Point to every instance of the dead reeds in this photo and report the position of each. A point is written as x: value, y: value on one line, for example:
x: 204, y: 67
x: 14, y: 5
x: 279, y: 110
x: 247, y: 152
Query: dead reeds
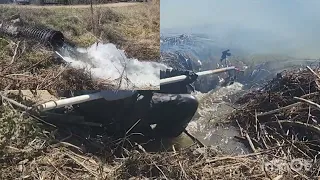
x: 278, y: 123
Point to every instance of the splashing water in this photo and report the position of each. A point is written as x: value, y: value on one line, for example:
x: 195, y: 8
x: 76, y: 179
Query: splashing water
x: 214, y: 106
x: 106, y: 62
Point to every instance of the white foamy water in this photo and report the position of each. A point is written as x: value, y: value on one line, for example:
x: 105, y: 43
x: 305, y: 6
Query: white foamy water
x: 106, y: 62
x: 213, y: 108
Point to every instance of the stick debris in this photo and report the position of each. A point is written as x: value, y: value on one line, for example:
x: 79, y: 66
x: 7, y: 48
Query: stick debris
x: 273, y: 124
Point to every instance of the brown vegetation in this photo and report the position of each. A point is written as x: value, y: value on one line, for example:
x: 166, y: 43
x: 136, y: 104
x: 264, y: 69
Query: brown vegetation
x: 278, y: 124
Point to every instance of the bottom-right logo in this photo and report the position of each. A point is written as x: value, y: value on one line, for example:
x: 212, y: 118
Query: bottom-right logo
x: 279, y: 165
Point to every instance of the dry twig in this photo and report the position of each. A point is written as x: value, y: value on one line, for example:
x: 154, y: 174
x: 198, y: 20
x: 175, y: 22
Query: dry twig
x: 308, y: 102
x: 15, y: 52
x: 313, y: 72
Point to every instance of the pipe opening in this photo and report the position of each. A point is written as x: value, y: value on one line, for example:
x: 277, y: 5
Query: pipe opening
x: 56, y: 39
x: 44, y: 35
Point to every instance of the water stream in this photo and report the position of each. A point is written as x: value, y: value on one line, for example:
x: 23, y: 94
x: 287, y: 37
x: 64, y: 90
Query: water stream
x: 106, y: 63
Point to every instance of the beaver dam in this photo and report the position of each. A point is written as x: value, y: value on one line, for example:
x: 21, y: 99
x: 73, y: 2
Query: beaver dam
x: 277, y: 124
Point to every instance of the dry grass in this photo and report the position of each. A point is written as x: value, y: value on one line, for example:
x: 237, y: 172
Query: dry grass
x: 134, y: 29
x: 32, y: 153
x: 34, y: 150
x: 277, y: 118
x: 35, y: 155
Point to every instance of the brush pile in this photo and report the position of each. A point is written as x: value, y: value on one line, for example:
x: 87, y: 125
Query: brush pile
x: 278, y: 122
x: 282, y: 119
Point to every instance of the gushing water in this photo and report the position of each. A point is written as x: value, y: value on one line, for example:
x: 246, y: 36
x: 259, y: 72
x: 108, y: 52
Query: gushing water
x: 214, y: 105
x: 107, y: 63
x: 213, y: 108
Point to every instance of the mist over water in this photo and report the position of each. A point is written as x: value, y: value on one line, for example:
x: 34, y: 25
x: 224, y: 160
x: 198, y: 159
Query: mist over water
x: 286, y: 28
x: 108, y: 63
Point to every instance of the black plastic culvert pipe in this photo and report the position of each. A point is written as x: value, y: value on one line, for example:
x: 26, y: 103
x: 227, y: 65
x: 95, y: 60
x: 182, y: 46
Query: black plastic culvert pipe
x: 43, y: 35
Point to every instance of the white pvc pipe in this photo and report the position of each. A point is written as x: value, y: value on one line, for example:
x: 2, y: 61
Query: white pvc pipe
x: 90, y: 97
x: 183, y: 77
x: 69, y: 101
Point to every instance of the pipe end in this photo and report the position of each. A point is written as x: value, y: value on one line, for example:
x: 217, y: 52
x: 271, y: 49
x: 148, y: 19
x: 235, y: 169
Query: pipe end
x: 56, y: 39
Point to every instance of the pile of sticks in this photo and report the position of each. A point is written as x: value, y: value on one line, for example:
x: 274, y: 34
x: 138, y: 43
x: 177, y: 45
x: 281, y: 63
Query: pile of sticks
x: 283, y: 116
